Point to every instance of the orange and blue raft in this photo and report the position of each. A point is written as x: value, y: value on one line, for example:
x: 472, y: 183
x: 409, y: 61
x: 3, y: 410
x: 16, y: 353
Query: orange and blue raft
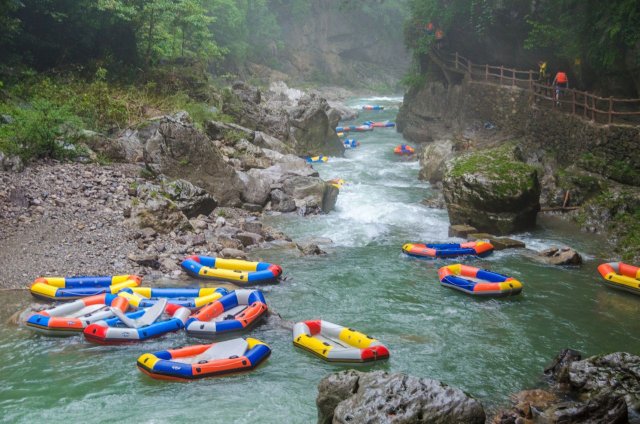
x: 478, y: 282
x: 448, y: 250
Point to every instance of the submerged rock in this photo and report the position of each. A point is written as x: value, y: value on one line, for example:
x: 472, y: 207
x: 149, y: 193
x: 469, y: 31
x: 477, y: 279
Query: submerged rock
x: 561, y: 256
x: 379, y: 397
x: 492, y: 191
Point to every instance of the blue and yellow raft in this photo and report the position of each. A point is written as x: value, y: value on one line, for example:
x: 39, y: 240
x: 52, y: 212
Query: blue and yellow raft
x: 233, y: 270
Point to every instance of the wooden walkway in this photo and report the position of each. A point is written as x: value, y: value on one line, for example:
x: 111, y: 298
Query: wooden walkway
x: 604, y: 110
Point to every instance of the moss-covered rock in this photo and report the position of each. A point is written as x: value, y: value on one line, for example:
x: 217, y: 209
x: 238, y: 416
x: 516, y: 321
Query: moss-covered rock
x: 492, y: 190
x: 616, y: 211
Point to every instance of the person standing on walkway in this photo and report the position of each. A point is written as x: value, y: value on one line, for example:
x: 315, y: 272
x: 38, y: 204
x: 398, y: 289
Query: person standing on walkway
x: 542, y: 72
x: 560, y: 82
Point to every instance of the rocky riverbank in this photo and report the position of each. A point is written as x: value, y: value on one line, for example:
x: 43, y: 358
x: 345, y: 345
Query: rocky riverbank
x: 585, y: 170
x: 599, y: 389
x: 176, y: 190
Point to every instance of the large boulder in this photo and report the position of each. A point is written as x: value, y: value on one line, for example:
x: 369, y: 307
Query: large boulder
x: 310, y: 194
x: 256, y: 190
x: 432, y: 160
x: 306, y: 125
x: 180, y: 150
x: 379, y: 397
x: 492, y: 190
x: 313, y: 129
x: 615, y: 374
x: 191, y: 200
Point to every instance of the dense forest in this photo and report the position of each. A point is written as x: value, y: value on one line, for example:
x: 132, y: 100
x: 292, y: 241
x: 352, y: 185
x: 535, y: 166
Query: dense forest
x: 598, y: 43
x: 104, y: 65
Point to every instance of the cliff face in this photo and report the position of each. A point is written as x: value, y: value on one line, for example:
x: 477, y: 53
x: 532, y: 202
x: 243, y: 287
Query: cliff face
x: 341, y: 45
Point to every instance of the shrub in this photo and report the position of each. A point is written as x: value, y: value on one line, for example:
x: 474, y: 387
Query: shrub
x: 41, y: 129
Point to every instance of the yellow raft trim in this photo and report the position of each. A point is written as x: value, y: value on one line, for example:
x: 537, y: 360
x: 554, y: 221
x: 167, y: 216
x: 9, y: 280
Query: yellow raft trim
x: 313, y: 345
x: 355, y: 338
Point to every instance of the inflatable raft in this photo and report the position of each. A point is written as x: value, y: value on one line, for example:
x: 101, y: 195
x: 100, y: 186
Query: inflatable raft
x: 71, y: 318
x: 351, y: 143
x: 200, y: 361
x: 337, y: 182
x: 238, y: 311
x: 335, y: 343
x: 450, y: 250
x: 234, y: 270
x: 404, y: 149
x: 380, y: 124
x: 362, y: 128
x: 192, y: 298
x: 72, y: 288
x: 621, y: 276
x: 372, y: 107
x: 478, y: 282
x: 138, y: 326
x: 316, y: 159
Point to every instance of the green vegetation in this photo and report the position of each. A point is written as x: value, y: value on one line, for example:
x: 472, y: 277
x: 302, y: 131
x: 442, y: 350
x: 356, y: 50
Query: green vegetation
x: 592, y: 39
x: 509, y: 176
x: 620, y: 208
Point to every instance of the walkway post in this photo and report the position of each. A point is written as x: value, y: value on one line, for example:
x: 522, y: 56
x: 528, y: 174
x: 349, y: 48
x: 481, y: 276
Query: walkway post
x: 610, y: 109
x: 573, y: 102
x: 501, y: 73
x: 456, y: 60
x: 486, y: 72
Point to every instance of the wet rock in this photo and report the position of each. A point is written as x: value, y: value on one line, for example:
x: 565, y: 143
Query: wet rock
x: 612, y: 375
x: 561, y: 256
x: 492, y: 191
x: 502, y: 243
x: 461, y: 230
x: 601, y: 409
x: 281, y: 202
x: 311, y: 193
x: 233, y: 253
x: 329, y: 198
x: 309, y: 249
x: 357, y: 397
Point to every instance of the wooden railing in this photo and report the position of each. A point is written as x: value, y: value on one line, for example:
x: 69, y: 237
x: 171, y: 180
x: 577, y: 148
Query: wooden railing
x: 606, y: 110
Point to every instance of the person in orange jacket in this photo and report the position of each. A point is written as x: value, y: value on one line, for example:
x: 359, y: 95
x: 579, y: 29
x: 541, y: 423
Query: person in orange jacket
x: 560, y: 81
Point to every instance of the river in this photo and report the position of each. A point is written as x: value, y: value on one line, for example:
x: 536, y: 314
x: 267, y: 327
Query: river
x: 489, y: 348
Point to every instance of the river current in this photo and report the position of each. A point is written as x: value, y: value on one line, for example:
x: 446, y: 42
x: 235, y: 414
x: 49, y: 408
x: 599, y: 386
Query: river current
x: 489, y: 348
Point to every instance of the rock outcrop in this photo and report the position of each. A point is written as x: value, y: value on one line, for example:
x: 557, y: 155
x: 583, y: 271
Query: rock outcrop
x: 379, y: 397
x: 179, y: 150
x: 306, y: 125
x: 601, y: 389
x: 432, y: 160
x: 492, y: 191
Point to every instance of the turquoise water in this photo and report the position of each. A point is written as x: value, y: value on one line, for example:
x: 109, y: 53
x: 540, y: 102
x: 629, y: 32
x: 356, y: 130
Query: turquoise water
x: 490, y: 348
